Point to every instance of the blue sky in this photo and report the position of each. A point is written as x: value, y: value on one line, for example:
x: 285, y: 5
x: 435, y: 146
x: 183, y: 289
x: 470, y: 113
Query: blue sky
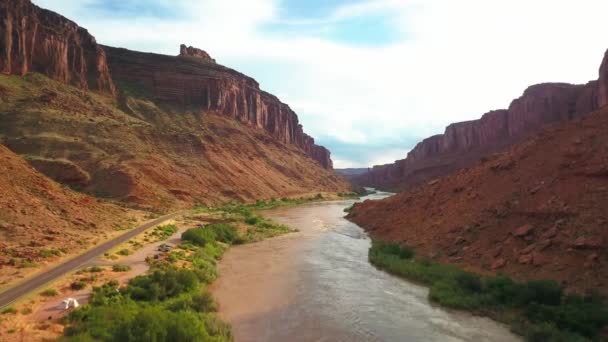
x: 369, y: 78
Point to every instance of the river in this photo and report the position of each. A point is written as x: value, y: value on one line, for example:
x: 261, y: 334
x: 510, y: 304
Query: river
x: 317, y: 285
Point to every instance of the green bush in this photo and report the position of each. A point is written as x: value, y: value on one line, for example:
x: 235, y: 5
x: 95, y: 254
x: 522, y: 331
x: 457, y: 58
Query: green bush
x: 162, y: 284
x: 201, y: 302
x: 252, y: 220
x: 390, y: 248
x: 199, y: 236
x: 225, y: 233
x: 121, y: 268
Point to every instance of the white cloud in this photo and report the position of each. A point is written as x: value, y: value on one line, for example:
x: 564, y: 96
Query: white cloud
x: 457, y: 59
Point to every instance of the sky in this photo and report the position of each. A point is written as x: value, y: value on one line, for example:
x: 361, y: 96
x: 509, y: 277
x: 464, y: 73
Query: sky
x: 369, y: 78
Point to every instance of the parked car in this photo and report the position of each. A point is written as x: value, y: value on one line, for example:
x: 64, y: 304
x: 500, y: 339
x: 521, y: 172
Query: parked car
x: 164, y: 248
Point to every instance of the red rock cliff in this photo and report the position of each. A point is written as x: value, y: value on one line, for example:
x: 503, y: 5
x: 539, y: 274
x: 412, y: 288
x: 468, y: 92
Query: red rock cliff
x: 204, y: 86
x: 464, y: 143
x: 36, y: 40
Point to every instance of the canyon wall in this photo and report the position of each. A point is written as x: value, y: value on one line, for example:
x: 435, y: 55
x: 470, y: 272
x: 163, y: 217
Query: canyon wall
x: 464, y: 143
x: 36, y: 40
x: 193, y: 80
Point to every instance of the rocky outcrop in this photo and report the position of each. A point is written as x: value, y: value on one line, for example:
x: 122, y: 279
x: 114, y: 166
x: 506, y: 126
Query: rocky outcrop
x: 190, y: 51
x: 36, y: 40
x: 464, y: 143
x: 208, y: 87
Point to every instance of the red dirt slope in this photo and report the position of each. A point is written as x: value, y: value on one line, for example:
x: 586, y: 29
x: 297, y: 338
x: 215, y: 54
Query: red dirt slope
x: 41, y: 220
x: 539, y: 210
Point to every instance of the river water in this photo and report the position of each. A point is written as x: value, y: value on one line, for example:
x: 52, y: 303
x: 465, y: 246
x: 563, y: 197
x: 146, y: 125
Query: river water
x: 317, y: 285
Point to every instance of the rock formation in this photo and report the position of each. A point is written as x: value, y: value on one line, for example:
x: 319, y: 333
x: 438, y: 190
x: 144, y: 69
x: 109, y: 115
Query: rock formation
x: 189, y: 51
x: 464, y: 143
x: 195, y: 83
x: 36, y: 40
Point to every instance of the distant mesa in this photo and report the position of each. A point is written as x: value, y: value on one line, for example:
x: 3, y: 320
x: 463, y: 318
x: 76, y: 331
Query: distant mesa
x: 191, y: 51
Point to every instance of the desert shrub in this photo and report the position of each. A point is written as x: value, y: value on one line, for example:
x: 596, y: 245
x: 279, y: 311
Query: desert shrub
x: 49, y: 293
x: 95, y: 269
x: 164, y: 232
x: 124, y: 252
x: 9, y: 311
x: 78, y: 285
x: 121, y: 268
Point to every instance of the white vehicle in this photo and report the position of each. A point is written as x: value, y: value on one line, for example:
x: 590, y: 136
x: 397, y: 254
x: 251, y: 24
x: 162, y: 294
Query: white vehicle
x: 69, y: 303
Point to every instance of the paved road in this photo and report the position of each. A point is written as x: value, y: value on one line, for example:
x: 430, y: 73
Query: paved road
x: 14, y: 293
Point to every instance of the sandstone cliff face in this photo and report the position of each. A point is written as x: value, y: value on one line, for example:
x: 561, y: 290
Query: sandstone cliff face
x: 36, y: 40
x: 464, y: 143
x: 208, y: 87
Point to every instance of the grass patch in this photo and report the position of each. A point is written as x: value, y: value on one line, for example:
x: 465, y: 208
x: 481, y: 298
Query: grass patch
x: 49, y: 293
x: 538, y: 310
x: 121, y: 268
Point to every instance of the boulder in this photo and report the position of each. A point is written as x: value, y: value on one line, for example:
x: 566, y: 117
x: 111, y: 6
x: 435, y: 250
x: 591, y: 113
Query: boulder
x: 523, y: 230
x: 498, y: 264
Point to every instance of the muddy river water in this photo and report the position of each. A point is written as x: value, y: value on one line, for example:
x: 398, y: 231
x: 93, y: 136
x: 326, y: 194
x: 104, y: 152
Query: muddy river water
x: 317, y: 285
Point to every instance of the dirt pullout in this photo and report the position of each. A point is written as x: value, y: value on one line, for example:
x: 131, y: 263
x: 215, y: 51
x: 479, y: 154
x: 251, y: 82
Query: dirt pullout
x: 42, y: 222
x: 537, y: 211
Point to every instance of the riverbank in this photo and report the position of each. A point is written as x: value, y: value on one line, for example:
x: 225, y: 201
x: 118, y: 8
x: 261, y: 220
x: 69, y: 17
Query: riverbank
x: 537, y: 310
x: 137, y: 259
